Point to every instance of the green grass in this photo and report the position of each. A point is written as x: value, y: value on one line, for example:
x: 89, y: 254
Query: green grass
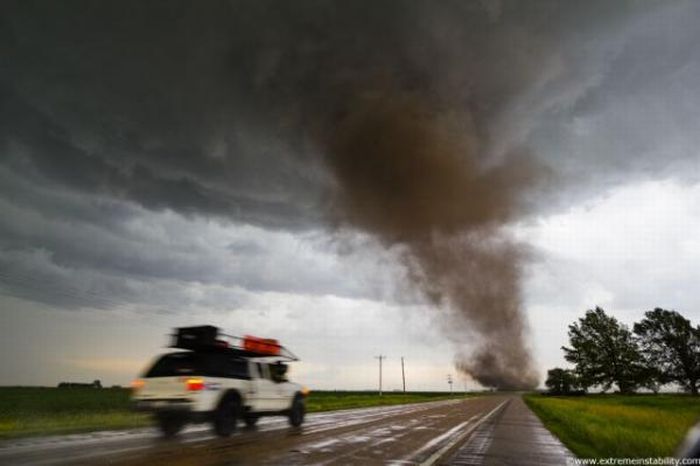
x: 601, y: 426
x: 26, y: 411
x: 43, y: 411
x: 328, y: 401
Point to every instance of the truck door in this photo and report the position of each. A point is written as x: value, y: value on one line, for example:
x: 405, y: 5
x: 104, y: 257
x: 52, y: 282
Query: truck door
x: 254, y: 396
x: 264, y: 387
x: 282, y: 388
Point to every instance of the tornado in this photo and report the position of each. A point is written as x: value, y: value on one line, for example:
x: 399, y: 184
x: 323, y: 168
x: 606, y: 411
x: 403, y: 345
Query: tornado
x: 402, y: 109
x: 410, y: 174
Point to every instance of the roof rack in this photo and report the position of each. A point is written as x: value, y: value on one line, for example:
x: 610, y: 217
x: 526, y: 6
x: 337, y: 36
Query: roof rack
x: 207, y: 338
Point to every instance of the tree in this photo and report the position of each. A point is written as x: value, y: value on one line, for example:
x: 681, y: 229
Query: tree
x: 671, y: 347
x: 650, y: 377
x: 604, y: 353
x: 561, y: 381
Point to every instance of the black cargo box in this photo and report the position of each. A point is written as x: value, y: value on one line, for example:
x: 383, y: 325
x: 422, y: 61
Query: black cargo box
x: 201, y: 337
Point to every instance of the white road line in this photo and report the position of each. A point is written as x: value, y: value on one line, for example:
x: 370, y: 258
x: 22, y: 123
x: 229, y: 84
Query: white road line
x: 437, y: 456
x: 440, y: 438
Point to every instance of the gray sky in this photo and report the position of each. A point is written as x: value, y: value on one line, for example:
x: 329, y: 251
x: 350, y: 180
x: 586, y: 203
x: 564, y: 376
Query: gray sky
x: 160, y: 166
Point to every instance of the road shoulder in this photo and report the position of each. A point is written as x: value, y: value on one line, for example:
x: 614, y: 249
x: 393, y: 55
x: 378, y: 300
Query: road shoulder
x: 513, y: 436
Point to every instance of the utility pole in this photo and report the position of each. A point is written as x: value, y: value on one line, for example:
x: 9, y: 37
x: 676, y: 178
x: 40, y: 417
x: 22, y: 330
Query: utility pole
x: 449, y: 381
x: 403, y: 375
x: 381, y: 357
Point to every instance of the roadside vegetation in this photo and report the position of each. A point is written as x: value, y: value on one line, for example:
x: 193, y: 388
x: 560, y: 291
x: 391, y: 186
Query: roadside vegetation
x: 662, y: 349
x: 621, y: 426
x: 329, y: 401
x: 44, y: 411
x: 26, y: 411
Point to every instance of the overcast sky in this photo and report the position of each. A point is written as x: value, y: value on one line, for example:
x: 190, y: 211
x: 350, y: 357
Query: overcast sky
x: 160, y: 166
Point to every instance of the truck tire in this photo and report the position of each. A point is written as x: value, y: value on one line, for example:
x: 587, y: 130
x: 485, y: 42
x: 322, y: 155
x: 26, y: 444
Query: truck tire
x: 250, y: 420
x: 297, y: 411
x: 226, y: 416
x: 170, y: 424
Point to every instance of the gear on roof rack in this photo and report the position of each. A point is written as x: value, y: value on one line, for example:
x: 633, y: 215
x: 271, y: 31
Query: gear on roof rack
x: 209, y: 338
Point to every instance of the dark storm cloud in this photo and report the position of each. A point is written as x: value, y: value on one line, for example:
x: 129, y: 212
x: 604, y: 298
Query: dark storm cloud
x: 198, y: 107
x: 61, y: 247
x: 40, y: 148
x: 292, y: 116
x: 626, y: 105
x: 141, y: 102
x: 205, y: 108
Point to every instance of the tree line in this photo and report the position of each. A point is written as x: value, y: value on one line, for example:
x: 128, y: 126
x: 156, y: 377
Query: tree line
x: 663, y: 348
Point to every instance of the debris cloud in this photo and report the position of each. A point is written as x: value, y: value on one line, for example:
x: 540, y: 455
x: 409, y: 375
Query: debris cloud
x: 402, y: 107
x: 409, y: 173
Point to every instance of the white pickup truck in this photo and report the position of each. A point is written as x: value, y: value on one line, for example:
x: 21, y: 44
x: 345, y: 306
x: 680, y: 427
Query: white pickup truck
x: 219, y: 379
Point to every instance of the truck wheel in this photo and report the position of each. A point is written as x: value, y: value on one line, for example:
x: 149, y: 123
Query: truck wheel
x: 296, y: 413
x: 225, y: 416
x: 250, y: 420
x: 170, y: 424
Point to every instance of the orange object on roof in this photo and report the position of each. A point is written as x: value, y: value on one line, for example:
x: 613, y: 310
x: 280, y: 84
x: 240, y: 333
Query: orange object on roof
x: 261, y: 345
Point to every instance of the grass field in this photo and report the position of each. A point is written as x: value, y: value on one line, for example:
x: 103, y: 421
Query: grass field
x: 637, y: 426
x: 34, y: 410
x: 26, y: 411
x: 328, y: 401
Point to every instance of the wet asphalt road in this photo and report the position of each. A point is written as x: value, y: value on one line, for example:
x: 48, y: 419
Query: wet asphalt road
x: 418, y: 434
x: 512, y: 436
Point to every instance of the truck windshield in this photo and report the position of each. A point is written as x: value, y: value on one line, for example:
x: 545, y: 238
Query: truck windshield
x: 203, y: 364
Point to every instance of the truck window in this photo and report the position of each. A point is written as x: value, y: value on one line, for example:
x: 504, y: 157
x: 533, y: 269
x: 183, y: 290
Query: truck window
x: 204, y: 364
x: 263, y: 371
x: 172, y: 365
x: 278, y: 372
x: 237, y: 369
